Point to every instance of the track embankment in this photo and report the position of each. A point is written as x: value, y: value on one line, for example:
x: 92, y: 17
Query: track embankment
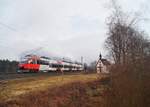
x: 14, y: 76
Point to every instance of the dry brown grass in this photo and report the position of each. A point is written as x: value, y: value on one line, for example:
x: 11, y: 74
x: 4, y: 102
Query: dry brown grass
x: 76, y: 94
x: 126, y: 87
x: 12, y: 88
x: 129, y: 87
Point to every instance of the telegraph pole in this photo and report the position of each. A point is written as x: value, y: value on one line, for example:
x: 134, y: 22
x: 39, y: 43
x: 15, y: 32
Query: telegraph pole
x: 82, y: 61
x: 100, y: 58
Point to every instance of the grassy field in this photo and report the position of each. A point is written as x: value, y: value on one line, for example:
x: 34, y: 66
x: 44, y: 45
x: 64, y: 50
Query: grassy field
x: 12, y: 88
x: 78, y: 90
x: 121, y: 89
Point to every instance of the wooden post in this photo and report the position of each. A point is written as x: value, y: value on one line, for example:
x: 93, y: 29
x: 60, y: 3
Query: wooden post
x: 100, y: 58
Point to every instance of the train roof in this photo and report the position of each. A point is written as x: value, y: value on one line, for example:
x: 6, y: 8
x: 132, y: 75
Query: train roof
x: 42, y: 53
x: 64, y: 59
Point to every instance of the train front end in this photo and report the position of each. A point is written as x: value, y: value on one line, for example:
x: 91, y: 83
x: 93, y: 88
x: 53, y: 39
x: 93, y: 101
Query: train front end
x: 28, y: 64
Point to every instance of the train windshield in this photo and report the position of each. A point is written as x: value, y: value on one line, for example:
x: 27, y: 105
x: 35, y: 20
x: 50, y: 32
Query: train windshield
x: 31, y: 61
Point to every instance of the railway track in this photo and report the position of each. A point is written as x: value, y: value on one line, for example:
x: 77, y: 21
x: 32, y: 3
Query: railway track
x: 12, y: 76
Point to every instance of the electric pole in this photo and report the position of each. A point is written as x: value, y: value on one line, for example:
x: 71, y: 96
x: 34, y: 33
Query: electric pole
x: 100, y: 58
x: 82, y: 61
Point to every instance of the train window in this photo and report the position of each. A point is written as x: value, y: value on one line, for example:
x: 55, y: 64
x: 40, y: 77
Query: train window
x: 60, y: 65
x: 42, y: 62
x: 67, y: 66
x: 56, y: 65
x: 38, y: 62
x: 34, y: 61
x: 31, y: 63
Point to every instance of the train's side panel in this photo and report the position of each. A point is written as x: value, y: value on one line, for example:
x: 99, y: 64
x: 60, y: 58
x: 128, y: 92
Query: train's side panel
x: 65, y: 66
x: 44, y: 68
x: 32, y: 66
x: 52, y: 69
x: 29, y: 67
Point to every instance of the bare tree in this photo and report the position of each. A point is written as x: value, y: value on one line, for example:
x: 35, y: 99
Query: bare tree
x: 125, y: 41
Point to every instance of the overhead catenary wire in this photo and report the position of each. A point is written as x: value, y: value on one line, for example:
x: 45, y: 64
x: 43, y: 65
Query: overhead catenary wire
x: 15, y: 30
x: 4, y: 44
x: 8, y: 26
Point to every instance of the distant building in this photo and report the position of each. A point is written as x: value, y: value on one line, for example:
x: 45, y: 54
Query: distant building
x: 102, y: 65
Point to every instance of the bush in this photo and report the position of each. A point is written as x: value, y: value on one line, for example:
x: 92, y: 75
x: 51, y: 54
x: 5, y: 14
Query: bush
x: 129, y: 87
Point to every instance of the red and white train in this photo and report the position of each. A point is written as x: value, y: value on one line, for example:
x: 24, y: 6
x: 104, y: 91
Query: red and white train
x: 34, y: 63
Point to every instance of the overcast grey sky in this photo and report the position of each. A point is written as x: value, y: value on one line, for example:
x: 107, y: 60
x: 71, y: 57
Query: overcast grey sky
x: 71, y: 28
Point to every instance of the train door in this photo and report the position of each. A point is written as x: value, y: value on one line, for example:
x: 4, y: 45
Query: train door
x: 44, y: 65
